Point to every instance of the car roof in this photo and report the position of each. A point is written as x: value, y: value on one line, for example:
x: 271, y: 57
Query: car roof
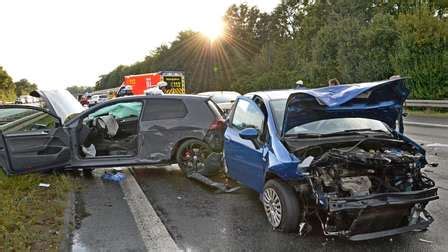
x: 167, y: 96
x: 223, y: 93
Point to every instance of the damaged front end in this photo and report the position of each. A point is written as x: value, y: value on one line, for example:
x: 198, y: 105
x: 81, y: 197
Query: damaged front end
x: 369, y: 188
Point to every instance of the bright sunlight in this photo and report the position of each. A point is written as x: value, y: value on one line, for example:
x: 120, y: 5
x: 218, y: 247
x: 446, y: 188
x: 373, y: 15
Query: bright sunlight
x: 212, y: 30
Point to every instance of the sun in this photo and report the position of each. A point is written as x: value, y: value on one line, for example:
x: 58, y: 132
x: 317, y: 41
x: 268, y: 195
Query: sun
x: 212, y: 30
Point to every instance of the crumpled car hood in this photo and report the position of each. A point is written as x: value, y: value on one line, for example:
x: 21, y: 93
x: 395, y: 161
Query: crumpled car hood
x: 59, y: 102
x: 381, y: 100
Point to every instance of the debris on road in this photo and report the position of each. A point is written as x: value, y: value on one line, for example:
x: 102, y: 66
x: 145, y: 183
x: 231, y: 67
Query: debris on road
x: 425, y: 241
x: 220, y: 186
x: 113, y: 175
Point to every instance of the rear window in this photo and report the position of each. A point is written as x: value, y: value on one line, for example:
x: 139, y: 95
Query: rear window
x: 162, y: 109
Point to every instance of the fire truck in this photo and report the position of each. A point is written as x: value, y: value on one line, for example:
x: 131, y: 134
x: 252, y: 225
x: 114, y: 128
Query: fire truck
x: 137, y: 84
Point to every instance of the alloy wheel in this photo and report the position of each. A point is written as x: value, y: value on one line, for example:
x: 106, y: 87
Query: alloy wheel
x: 272, y: 207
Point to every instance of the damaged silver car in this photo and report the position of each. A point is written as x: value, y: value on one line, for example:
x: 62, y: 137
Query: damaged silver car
x: 134, y: 130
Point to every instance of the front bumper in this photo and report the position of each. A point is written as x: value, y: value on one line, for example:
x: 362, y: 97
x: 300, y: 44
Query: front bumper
x: 378, y: 215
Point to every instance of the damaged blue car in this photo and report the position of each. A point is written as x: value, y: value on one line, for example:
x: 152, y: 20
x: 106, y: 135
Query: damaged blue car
x: 333, y: 153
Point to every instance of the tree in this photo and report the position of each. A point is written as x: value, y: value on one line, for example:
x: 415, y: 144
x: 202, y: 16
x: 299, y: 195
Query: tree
x: 24, y: 87
x: 79, y: 90
x: 311, y: 40
x: 7, y: 89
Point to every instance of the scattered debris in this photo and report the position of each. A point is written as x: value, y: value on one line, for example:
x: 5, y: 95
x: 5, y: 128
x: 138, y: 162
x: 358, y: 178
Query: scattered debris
x: 113, y: 175
x: 425, y: 241
x: 220, y: 186
x: 44, y: 185
x: 304, y: 228
x: 434, y: 164
x: 179, y: 197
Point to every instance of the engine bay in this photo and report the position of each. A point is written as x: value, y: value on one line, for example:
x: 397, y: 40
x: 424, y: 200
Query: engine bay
x: 367, y: 186
x: 367, y: 167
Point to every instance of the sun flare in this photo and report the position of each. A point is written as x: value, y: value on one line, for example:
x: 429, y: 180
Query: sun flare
x: 212, y: 30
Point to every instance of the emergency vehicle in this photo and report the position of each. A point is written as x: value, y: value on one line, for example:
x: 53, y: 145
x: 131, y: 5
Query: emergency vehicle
x: 137, y: 84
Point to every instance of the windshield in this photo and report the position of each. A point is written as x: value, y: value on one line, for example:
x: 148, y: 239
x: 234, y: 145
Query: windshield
x: 337, y: 125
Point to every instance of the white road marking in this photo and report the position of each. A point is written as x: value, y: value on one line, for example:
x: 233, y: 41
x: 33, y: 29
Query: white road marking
x: 153, y: 232
x: 437, y: 145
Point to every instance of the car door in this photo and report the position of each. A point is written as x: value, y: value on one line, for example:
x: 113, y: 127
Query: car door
x: 245, y: 162
x: 32, y: 139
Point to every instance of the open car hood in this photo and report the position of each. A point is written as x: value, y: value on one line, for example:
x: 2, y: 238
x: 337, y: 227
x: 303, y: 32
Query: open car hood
x: 381, y: 100
x: 59, y: 102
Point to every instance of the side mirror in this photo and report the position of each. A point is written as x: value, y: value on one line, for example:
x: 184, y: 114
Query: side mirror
x: 250, y: 134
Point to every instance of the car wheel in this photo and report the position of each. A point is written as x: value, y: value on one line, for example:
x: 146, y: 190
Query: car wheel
x: 191, y: 156
x: 281, y: 206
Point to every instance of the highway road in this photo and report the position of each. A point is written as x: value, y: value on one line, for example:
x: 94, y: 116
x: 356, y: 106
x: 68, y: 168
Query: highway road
x: 200, y: 219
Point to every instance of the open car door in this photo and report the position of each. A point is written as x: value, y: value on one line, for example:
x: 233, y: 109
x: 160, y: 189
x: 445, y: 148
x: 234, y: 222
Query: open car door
x: 31, y: 139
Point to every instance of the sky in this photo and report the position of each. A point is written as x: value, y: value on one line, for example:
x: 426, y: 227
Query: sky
x: 60, y: 43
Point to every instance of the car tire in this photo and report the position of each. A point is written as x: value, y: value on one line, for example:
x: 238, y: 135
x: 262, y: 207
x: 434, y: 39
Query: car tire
x: 281, y: 206
x: 185, y: 153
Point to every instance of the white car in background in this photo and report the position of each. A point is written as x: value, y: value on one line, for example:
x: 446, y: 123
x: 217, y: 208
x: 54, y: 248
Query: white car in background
x: 224, y: 99
x: 96, y: 99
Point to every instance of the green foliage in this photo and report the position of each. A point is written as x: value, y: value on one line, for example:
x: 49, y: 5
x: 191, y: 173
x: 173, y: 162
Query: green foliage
x: 422, y: 54
x: 24, y: 87
x: 353, y: 41
x: 7, y: 88
x: 79, y: 90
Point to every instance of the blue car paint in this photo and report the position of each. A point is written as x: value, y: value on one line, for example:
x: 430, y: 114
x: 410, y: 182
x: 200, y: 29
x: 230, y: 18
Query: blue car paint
x: 251, y: 166
x: 310, y: 105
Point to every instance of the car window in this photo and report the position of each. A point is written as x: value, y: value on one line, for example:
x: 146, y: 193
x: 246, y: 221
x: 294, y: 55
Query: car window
x: 278, y: 111
x: 162, y: 109
x: 14, y: 120
x: 247, y: 115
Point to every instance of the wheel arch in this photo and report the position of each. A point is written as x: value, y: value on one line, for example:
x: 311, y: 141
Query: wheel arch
x: 179, y: 143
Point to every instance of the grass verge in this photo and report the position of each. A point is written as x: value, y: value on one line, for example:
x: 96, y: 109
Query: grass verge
x: 32, y: 217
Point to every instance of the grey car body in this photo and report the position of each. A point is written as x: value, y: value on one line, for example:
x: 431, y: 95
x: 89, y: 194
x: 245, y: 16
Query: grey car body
x: 157, y: 135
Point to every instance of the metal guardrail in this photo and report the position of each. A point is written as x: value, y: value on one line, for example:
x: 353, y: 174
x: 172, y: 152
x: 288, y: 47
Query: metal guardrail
x: 427, y: 103
x: 23, y: 122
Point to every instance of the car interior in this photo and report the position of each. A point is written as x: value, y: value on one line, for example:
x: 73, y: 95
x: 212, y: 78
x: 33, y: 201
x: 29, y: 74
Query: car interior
x: 110, y: 131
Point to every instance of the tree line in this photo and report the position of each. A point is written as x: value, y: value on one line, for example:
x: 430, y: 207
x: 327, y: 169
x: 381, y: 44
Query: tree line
x: 9, y: 90
x: 313, y: 41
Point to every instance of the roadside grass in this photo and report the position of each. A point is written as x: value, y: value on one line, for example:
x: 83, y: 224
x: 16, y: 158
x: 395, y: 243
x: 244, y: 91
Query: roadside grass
x: 32, y: 217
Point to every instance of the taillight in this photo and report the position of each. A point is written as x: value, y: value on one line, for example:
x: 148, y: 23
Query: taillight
x: 218, y: 123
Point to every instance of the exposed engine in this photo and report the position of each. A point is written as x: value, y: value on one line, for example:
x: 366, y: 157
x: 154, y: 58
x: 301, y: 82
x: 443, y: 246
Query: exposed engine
x: 368, y: 167
x: 368, y: 186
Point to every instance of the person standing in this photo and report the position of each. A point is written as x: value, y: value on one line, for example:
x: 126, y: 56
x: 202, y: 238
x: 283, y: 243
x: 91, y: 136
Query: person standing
x: 333, y: 82
x: 160, y: 89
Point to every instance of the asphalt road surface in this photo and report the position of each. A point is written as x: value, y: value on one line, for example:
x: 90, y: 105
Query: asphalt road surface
x: 200, y: 219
